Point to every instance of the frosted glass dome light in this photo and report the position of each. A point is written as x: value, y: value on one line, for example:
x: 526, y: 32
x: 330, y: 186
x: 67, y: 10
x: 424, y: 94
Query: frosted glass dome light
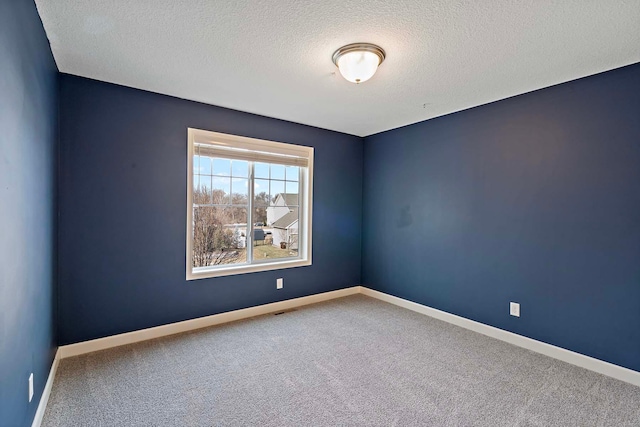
x: 358, y: 62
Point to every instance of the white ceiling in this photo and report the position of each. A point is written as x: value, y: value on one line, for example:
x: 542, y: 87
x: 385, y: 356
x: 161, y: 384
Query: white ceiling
x: 273, y: 57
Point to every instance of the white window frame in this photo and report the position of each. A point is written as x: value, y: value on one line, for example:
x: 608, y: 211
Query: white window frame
x: 247, y: 147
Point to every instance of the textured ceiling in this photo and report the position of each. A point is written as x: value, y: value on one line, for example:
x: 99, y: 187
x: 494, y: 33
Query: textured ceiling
x: 274, y: 57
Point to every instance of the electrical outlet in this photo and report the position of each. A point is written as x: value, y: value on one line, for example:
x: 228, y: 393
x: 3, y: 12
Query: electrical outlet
x: 30, y: 387
x: 279, y: 283
x: 514, y: 309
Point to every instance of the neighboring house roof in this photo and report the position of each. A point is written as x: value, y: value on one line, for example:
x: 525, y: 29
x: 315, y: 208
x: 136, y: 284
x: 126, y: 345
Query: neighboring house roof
x: 286, y: 220
x: 289, y: 199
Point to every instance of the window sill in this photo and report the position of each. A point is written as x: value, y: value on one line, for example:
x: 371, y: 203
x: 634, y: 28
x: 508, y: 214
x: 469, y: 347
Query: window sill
x: 243, y: 269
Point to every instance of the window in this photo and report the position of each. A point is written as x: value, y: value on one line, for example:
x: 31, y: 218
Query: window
x: 248, y: 205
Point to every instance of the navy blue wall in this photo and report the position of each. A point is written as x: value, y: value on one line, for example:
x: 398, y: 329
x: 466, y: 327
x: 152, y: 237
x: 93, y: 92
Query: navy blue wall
x: 122, y: 202
x: 28, y: 135
x: 533, y: 199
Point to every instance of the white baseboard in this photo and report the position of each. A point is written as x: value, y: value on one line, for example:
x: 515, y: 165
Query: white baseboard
x: 44, y: 399
x: 577, y: 359
x: 202, y: 322
x: 586, y: 362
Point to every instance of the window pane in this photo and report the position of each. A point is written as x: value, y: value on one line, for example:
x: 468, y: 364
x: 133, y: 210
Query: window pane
x: 221, y: 167
x: 281, y: 238
x: 201, y: 194
x: 261, y: 170
x: 293, y: 173
x: 204, y: 165
x: 237, y: 216
x: 259, y: 217
x: 291, y: 188
x: 217, y: 240
x: 239, y: 168
x: 277, y: 171
x: 239, y: 191
x: 221, y: 190
x: 277, y: 187
x: 261, y: 192
x: 261, y: 199
x: 196, y: 165
x: 205, y: 183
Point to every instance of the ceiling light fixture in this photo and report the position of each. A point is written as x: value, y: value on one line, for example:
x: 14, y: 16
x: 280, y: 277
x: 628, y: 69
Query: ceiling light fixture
x: 358, y: 62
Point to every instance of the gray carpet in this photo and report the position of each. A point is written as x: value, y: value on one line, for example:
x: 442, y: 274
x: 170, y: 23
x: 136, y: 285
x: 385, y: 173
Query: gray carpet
x: 352, y: 361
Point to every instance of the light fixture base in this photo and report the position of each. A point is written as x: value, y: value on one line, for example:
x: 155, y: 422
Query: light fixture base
x: 359, y: 47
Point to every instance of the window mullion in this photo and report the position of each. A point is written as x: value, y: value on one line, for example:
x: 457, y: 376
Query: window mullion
x: 302, y: 214
x: 250, y: 236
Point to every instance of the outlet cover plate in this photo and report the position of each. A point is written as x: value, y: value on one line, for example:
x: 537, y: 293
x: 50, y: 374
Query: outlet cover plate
x: 514, y: 309
x: 30, y: 387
